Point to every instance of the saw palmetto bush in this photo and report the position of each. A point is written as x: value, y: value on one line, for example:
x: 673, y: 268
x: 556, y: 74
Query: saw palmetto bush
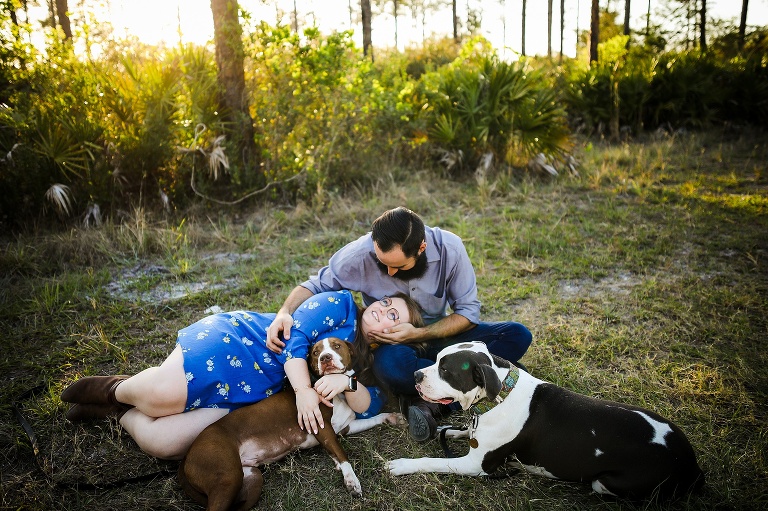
x: 140, y: 99
x: 644, y: 90
x: 746, y: 81
x: 51, y: 132
x: 484, y: 106
x: 687, y: 89
x: 100, y: 136
x: 611, y: 93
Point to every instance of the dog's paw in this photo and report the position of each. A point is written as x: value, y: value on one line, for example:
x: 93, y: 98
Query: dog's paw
x: 353, y: 485
x: 395, y: 419
x: 350, y: 479
x: 401, y: 467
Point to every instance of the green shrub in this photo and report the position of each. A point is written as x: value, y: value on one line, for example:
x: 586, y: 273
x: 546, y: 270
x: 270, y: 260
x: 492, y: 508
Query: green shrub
x: 687, y: 89
x: 107, y: 129
x: 51, y: 132
x: 480, y: 105
x: 320, y: 108
x: 644, y: 90
x: 746, y: 82
x: 615, y: 89
x: 432, y: 55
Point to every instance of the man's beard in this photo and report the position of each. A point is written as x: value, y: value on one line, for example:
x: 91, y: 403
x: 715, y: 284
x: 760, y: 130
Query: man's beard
x: 418, y: 270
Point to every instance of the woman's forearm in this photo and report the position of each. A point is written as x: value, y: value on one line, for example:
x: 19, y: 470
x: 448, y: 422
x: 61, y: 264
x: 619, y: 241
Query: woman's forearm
x: 297, y: 371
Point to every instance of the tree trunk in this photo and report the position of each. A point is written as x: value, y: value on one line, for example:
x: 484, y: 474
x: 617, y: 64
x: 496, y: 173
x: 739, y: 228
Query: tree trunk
x: 627, y: 4
x: 549, y: 29
x: 456, y: 23
x: 626, y: 19
x: 395, y: 9
x: 562, y: 28
x: 743, y: 23
x: 594, y: 35
x: 62, y: 8
x: 504, y: 26
x: 522, y: 51
x: 230, y: 57
x: 295, y: 20
x: 365, y: 11
x: 703, y: 33
x: 648, y: 20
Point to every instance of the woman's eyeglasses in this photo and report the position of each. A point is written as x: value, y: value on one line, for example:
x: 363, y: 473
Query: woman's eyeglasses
x: 392, y: 314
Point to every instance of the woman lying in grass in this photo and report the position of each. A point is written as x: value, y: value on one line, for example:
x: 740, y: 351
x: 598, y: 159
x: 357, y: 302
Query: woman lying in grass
x: 221, y: 363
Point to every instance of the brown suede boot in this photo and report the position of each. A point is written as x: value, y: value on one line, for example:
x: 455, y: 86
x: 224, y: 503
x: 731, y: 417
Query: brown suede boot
x: 81, y: 412
x: 94, y: 390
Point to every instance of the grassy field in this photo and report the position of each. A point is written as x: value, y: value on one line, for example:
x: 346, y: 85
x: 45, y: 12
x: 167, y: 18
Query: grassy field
x: 644, y: 279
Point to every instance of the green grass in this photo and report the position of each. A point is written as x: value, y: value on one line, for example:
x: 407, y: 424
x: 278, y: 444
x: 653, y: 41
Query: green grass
x: 643, y: 280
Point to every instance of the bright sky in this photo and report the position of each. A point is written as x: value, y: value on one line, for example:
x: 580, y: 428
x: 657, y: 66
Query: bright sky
x: 153, y: 21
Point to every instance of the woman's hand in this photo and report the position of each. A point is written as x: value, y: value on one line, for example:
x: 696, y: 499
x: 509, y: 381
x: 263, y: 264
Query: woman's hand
x: 331, y: 385
x: 308, y: 408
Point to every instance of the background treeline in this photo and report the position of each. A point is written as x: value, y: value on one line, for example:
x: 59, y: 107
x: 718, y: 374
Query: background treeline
x: 91, y: 128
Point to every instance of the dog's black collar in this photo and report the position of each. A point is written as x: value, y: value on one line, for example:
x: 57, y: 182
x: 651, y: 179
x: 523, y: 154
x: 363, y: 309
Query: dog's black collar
x: 507, y: 385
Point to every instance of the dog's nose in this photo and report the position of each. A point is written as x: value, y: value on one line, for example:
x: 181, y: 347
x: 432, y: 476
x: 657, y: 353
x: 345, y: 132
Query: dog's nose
x: 325, y: 357
x: 418, y: 376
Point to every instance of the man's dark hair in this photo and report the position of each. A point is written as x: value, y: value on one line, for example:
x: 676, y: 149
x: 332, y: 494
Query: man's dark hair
x: 399, y: 226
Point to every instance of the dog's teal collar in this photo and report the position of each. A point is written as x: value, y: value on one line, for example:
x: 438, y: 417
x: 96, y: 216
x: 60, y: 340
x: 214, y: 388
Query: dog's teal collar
x: 507, y: 385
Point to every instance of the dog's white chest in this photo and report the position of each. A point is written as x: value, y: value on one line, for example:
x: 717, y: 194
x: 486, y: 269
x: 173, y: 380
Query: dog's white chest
x: 505, y: 421
x: 343, y: 415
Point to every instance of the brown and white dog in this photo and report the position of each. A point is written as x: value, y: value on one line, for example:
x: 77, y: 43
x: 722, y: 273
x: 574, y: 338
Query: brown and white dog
x: 622, y: 450
x: 221, y: 471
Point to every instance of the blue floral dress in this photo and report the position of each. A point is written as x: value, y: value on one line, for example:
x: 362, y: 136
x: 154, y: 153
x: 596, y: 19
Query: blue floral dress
x: 226, y: 359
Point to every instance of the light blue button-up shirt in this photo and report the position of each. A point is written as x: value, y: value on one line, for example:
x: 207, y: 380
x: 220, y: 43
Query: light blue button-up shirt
x: 448, y: 282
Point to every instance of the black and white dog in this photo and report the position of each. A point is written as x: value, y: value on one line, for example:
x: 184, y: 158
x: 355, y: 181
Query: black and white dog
x: 622, y: 450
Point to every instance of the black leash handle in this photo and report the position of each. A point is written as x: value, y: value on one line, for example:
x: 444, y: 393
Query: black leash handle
x: 32, y: 437
x: 444, y: 442
x: 25, y: 425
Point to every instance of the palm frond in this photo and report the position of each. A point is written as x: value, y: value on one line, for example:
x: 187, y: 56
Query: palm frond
x: 92, y: 216
x: 61, y: 197
x: 217, y: 158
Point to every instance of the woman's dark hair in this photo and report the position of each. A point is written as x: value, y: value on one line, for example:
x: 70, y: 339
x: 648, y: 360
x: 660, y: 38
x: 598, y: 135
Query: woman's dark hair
x: 363, y: 354
x: 399, y: 226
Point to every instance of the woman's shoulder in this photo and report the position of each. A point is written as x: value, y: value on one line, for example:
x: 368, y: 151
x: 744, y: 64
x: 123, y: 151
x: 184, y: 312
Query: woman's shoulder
x: 334, y: 294
x: 328, y: 297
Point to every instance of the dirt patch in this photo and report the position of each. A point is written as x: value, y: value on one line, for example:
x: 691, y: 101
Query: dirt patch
x: 135, y: 284
x: 618, y: 285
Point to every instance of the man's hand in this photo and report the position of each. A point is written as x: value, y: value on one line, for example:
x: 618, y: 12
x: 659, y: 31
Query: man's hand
x: 282, y: 323
x: 403, y: 333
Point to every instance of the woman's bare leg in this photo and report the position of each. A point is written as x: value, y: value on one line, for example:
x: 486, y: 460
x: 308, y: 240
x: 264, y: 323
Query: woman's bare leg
x: 157, y: 391
x: 169, y: 437
x: 158, y: 422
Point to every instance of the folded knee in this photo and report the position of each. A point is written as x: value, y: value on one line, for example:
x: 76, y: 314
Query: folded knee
x: 164, y: 452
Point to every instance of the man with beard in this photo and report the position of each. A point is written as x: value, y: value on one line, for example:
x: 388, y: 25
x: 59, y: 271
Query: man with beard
x: 430, y: 265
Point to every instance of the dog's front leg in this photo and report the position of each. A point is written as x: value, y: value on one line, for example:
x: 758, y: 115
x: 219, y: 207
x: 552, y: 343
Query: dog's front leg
x: 467, y: 466
x: 358, y: 425
x: 327, y: 438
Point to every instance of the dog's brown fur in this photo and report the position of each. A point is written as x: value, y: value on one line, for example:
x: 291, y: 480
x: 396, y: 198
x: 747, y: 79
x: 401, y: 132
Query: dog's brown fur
x: 221, y: 471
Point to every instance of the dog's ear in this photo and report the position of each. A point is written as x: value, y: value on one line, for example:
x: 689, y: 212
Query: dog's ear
x: 501, y: 362
x: 353, y: 351
x: 486, y: 377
